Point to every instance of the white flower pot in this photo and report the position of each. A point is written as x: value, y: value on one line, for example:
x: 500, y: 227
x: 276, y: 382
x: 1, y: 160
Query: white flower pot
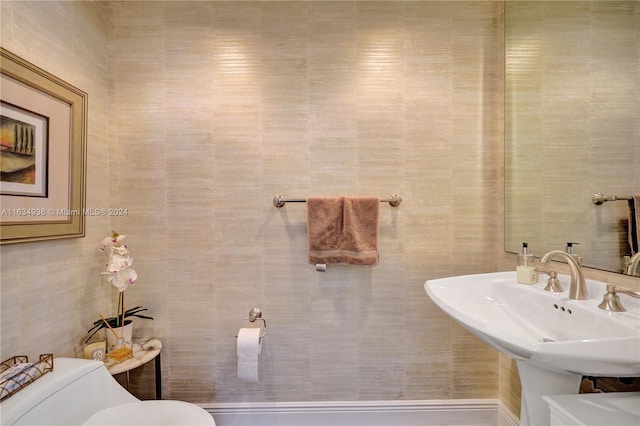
x: 128, y: 333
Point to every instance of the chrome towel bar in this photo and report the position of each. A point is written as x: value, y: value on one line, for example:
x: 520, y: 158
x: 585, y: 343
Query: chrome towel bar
x: 599, y: 198
x: 280, y: 200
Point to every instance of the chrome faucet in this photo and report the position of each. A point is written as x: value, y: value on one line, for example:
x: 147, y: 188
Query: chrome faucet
x: 578, y: 289
x: 633, y: 264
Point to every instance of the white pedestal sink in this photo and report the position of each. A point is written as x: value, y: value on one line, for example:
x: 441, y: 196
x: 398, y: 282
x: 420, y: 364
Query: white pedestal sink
x: 554, y: 340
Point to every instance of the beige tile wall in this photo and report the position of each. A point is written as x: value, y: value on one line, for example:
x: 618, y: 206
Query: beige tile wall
x: 51, y: 291
x: 218, y: 106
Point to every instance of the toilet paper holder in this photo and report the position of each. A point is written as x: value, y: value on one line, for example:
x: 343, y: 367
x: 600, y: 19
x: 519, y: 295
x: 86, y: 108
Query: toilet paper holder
x: 255, y: 314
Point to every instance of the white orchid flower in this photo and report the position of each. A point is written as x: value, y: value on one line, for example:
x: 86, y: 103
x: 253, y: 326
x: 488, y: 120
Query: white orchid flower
x: 118, y: 268
x: 113, y: 241
x: 122, y: 250
x: 107, y: 242
x: 118, y: 263
x: 119, y: 284
x: 127, y: 275
x: 122, y: 279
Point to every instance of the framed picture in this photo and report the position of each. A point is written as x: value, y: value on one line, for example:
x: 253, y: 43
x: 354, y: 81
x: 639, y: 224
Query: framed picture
x: 43, y: 132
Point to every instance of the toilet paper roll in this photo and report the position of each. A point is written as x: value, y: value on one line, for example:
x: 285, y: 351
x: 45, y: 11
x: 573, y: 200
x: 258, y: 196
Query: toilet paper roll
x: 321, y: 267
x: 249, y: 347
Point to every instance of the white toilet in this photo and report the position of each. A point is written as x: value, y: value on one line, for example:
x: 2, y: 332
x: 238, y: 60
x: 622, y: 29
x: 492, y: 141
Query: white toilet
x: 82, y: 392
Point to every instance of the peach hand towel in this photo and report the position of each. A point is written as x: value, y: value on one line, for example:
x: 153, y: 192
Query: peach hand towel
x: 343, y: 230
x: 634, y: 223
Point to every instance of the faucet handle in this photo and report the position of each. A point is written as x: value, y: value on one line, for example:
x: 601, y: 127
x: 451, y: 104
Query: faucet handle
x: 617, y: 289
x: 611, y: 301
x: 553, y: 283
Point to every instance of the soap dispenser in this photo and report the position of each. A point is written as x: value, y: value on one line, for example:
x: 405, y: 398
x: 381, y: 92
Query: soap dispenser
x: 571, y: 251
x: 525, y: 270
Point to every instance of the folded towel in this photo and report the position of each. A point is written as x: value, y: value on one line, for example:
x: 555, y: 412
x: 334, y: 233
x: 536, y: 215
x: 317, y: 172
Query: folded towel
x: 634, y: 223
x: 14, y: 370
x: 343, y: 230
x: 19, y: 375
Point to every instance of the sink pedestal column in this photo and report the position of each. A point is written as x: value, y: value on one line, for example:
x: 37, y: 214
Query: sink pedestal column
x: 536, y: 383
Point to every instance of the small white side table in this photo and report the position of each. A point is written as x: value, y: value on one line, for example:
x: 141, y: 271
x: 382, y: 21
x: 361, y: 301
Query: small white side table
x: 144, y: 350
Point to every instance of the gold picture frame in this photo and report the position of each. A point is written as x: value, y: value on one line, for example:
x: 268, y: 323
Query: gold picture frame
x: 56, y: 209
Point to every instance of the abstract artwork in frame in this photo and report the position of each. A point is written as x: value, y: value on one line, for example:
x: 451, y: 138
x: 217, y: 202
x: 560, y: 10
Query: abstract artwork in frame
x: 23, y: 152
x: 43, y: 128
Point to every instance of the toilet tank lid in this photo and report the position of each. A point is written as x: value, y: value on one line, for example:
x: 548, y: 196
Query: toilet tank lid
x: 65, y: 371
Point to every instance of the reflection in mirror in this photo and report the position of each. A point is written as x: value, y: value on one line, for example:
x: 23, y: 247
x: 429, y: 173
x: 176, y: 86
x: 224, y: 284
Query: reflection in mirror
x: 572, y: 116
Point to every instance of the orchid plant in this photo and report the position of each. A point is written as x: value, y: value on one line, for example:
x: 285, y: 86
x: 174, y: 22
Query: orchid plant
x: 121, y: 275
x: 119, y: 271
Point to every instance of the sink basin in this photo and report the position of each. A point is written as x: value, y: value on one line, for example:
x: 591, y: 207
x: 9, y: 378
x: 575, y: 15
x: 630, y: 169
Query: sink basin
x: 526, y: 322
x: 554, y: 340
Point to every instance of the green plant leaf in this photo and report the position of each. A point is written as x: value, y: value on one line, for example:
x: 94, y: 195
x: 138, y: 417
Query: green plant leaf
x: 115, y: 321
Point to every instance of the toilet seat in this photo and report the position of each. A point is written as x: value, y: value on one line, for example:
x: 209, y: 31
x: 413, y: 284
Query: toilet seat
x: 152, y: 413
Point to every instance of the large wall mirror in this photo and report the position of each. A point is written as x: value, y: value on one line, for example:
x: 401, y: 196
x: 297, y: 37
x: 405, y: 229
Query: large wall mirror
x: 572, y: 116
